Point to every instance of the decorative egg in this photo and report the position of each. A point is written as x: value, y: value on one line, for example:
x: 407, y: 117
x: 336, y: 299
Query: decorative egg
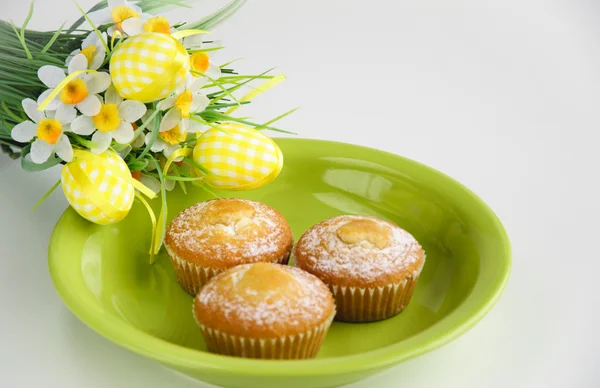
x: 98, y: 186
x: 238, y: 157
x: 149, y: 66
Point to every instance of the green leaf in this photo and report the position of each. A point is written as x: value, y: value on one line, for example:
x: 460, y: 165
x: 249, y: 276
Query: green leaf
x: 87, y: 18
x: 52, y: 40
x: 145, y: 124
x: 151, y: 140
x: 216, y: 18
x: 137, y: 165
x: 27, y: 52
x: 27, y: 19
x: 278, y: 118
x: 162, y: 218
x: 9, y: 112
x: 46, y: 195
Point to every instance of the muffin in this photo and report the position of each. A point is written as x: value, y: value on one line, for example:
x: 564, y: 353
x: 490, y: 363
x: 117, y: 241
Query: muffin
x: 371, y: 265
x: 216, y: 235
x: 264, y: 310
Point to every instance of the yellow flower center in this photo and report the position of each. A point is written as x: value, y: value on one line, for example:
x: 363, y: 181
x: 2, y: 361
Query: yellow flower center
x: 200, y: 62
x: 49, y: 130
x: 174, y: 135
x: 75, y: 92
x: 121, y: 13
x: 157, y: 24
x: 184, y: 103
x: 108, y: 119
x: 89, y: 53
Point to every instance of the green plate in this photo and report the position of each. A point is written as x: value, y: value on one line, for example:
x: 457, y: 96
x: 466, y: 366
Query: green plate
x: 102, y: 272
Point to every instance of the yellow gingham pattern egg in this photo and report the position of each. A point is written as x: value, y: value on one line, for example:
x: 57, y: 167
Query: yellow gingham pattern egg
x: 149, y: 66
x: 238, y: 157
x: 104, y: 195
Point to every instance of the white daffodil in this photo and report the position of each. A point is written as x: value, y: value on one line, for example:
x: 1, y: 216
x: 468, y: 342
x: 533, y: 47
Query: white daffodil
x: 79, y: 92
x: 49, y: 128
x: 200, y: 61
x: 168, y: 142
x: 116, y: 13
x: 181, y: 105
x: 93, y: 49
x: 136, y: 26
x: 115, y: 120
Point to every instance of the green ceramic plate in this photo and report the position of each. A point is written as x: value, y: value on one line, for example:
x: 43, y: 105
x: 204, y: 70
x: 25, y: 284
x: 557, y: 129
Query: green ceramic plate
x: 102, y: 272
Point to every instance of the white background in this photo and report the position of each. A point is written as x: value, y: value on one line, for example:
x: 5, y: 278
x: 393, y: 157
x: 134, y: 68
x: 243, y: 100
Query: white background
x: 502, y: 95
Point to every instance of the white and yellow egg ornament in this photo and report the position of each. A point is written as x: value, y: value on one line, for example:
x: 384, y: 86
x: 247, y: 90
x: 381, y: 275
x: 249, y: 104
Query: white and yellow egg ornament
x: 149, y: 66
x: 99, y: 187
x: 237, y: 157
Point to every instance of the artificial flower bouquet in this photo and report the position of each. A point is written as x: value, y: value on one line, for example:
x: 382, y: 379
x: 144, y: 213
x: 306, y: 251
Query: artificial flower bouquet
x: 131, y: 107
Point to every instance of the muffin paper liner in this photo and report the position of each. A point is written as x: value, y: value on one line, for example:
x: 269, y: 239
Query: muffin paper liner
x: 299, y: 346
x: 356, y: 304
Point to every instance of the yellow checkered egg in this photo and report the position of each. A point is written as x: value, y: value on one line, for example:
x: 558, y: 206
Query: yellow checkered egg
x: 97, y: 186
x: 149, y: 66
x: 237, y: 157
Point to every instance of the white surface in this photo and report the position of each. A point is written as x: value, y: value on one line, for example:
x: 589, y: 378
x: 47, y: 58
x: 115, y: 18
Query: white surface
x: 502, y: 95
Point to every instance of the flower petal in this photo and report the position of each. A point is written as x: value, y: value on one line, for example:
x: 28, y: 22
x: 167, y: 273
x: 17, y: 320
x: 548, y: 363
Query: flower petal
x: 124, y: 133
x: 193, y: 42
x: 167, y: 103
x: 138, y: 142
x: 83, y: 125
x: 169, y: 183
x: 171, y: 119
x: 150, y: 182
x: 31, y: 109
x: 101, y: 142
x: 78, y: 63
x: 90, y: 40
x: 90, y: 106
x: 51, y: 76
x: 101, y: 17
x: 116, y: 3
x: 213, y: 71
x: 199, y: 103
x: 24, y: 132
x: 124, y: 152
x: 158, y: 145
x: 64, y: 150
x: 52, y: 105
x: 133, y: 26
x: 195, y: 127
x: 112, y: 96
x: 98, y: 57
x: 170, y: 148
x: 131, y: 111
x: 41, y: 151
x: 71, y: 56
x: 97, y: 82
x: 65, y: 114
x: 197, y: 83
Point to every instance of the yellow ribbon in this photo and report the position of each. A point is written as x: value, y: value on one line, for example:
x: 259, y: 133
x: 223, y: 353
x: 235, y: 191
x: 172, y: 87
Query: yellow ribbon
x: 186, y: 33
x: 259, y: 90
x: 154, y: 229
x: 60, y: 87
x: 116, y: 35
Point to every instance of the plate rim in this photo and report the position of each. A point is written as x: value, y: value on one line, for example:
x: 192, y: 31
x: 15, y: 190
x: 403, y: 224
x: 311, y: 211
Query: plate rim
x: 179, y: 356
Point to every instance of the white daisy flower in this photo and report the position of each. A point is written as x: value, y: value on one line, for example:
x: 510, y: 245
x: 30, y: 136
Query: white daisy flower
x: 168, y: 142
x: 93, y: 49
x: 115, y: 120
x: 200, y: 61
x: 79, y: 92
x: 182, y: 105
x: 136, y: 26
x: 49, y: 128
x: 116, y: 13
